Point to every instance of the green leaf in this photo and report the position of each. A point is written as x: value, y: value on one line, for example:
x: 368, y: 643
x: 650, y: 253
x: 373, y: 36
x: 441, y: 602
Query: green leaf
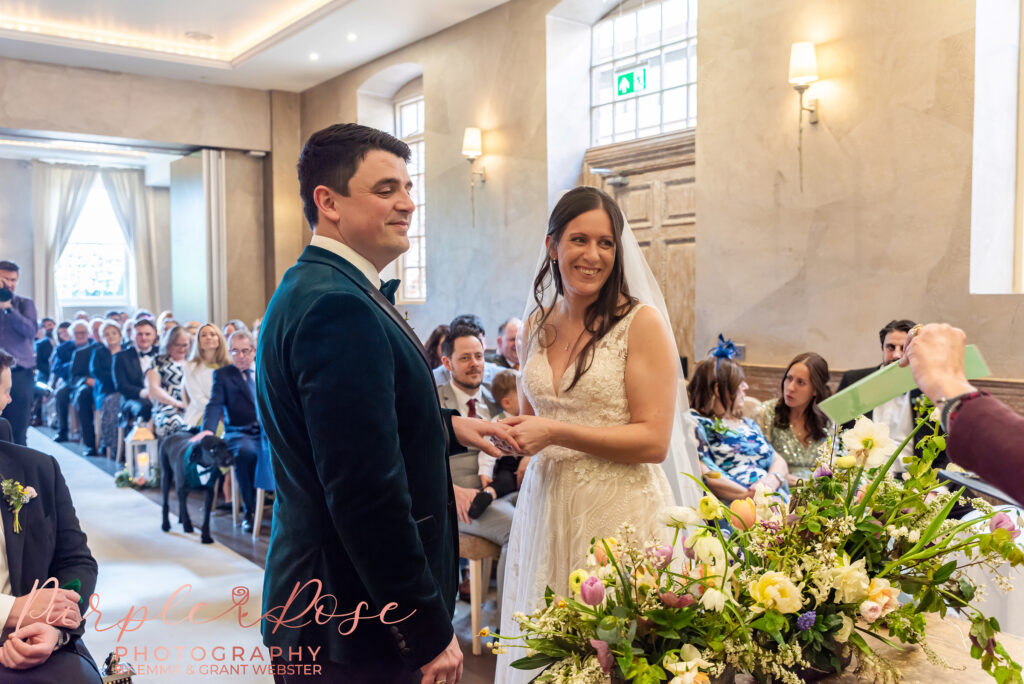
x: 534, y: 661
x: 967, y: 589
x: 943, y: 573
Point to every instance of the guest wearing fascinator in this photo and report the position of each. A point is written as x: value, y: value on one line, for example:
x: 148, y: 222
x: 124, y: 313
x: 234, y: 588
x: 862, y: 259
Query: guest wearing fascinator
x: 731, y: 446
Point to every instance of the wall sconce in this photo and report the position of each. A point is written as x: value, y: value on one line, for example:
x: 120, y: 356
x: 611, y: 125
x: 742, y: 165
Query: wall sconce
x: 472, y: 147
x: 803, y: 70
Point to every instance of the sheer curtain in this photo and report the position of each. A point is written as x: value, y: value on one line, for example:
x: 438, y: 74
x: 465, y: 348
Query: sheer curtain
x: 126, y: 189
x: 58, y: 195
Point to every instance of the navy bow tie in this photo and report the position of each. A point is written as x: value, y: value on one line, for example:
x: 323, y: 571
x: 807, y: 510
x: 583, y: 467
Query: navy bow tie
x: 389, y: 288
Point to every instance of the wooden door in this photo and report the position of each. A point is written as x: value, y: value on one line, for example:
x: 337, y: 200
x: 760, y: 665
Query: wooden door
x: 659, y: 203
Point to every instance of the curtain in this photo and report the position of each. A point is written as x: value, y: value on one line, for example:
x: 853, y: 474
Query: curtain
x: 58, y: 195
x: 127, y: 192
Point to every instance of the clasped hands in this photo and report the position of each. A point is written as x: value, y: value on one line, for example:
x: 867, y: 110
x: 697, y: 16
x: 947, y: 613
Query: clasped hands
x: 520, y: 435
x: 40, y: 613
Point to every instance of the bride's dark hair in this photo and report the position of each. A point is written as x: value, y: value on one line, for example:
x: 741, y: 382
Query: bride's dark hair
x: 608, y: 309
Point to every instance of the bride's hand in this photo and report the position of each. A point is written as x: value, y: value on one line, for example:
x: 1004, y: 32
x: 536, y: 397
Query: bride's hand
x: 532, y: 433
x: 463, y: 498
x: 473, y: 433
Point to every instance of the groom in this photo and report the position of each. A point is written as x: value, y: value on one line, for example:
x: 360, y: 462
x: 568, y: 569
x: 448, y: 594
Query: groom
x: 358, y: 441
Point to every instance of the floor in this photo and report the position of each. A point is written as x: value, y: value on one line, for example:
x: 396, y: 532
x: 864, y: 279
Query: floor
x: 477, y: 669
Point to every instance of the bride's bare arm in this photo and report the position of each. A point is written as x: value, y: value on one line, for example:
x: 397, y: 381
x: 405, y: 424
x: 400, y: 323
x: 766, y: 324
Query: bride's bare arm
x: 651, y: 379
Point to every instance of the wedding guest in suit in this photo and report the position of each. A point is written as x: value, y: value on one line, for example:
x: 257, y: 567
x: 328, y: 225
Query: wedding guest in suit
x: 60, y: 374
x: 358, y: 440
x: 165, y: 379
x: 233, y: 398
x: 433, y: 345
x: 42, y: 648
x: 793, y: 423
x: 897, y: 413
x: 984, y: 433
x: 82, y: 384
x: 105, y: 393
x: 728, y: 443
x: 17, y: 336
x: 506, y: 355
x: 44, y: 347
x: 441, y: 374
x: 130, y: 367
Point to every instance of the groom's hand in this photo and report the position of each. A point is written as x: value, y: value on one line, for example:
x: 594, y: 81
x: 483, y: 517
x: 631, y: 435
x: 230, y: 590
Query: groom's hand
x: 532, y: 433
x: 447, y: 666
x: 473, y: 433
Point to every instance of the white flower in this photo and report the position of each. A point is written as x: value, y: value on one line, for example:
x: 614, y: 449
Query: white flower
x: 708, y: 548
x: 850, y: 582
x: 713, y: 599
x: 843, y: 635
x: 681, y: 516
x: 869, y: 442
x: 914, y: 536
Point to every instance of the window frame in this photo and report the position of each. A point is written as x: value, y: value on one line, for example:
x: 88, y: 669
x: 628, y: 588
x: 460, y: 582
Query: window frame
x: 416, y: 143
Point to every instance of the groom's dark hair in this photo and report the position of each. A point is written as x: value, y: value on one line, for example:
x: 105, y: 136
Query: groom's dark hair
x: 332, y: 155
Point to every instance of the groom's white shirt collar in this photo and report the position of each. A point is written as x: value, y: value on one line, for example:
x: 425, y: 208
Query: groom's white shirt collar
x: 350, y: 255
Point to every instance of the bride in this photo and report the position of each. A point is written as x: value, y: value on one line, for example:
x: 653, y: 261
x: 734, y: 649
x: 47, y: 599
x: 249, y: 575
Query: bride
x: 600, y: 406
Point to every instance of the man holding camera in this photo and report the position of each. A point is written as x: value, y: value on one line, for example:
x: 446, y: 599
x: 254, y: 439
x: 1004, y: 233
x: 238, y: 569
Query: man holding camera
x: 17, y: 335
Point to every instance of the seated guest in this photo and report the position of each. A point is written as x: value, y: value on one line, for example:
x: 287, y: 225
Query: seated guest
x: 105, y: 393
x: 463, y: 358
x: 897, y: 413
x: 233, y: 399
x: 256, y: 329
x: 165, y: 379
x: 160, y: 322
x: 44, y: 348
x: 71, y: 367
x: 794, y: 425
x: 441, y: 374
x: 43, y: 648
x: 129, y: 368
x: 433, y: 345
x: 209, y: 352
x: 63, y: 332
x: 506, y: 355
x: 143, y: 313
x: 192, y: 327
x: 729, y: 444
x: 83, y: 383
x: 233, y: 326
x: 499, y: 476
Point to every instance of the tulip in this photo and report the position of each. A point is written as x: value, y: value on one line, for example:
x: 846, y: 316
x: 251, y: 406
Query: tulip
x: 745, y: 511
x: 1001, y: 521
x: 672, y: 600
x: 592, y: 591
x: 599, y: 552
x: 822, y: 471
x: 604, y: 655
x: 660, y: 556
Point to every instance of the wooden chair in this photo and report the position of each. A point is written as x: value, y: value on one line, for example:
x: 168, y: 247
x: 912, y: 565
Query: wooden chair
x: 477, y: 550
x: 257, y: 519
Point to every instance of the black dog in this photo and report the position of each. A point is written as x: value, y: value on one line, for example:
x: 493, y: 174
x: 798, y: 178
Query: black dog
x: 190, y: 466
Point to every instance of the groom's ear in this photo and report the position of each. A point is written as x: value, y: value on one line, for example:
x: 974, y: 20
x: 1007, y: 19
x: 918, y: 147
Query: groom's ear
x: 326, y: 202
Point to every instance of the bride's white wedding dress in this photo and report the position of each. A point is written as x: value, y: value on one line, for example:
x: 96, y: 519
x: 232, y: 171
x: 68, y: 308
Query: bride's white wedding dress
x: 567, y: 496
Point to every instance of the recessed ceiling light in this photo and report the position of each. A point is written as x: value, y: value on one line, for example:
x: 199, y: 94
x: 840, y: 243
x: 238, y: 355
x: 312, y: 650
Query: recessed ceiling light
x: 314, y: 56
x: 198, y: 36
x: 351, y: 37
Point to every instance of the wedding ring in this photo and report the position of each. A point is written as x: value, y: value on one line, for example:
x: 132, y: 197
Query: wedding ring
x: 916, y: 329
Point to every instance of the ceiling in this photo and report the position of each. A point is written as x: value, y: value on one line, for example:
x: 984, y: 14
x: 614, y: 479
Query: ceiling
x: 265, y: 44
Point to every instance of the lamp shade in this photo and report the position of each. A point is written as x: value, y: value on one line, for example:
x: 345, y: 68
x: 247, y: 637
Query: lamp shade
x: 803, y: 64
x: 472, y: 146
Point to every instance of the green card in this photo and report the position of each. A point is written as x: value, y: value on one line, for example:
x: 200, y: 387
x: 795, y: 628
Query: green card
x: 888, y: 383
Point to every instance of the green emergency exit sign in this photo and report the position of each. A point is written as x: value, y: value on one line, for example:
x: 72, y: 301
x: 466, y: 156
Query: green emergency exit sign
x: 630, y: 82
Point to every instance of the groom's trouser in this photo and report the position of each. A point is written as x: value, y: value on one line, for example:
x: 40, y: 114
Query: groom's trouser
x: 336, y: 673
x: 495, y: 525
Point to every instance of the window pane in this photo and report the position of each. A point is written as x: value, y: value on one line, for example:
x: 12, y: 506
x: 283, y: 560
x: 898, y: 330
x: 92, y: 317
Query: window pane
x: 691, y: 111
x: 652, y: 61
x: 675, y: 66
x: 625, y: 35
x: 649, y: 27
x: 691, y: 24
x: 602, y: 42
x: 603, y: 85
x: 409, y: 123
x: 673, y: 20
x: 414, y: 159
x: 674, y: 105
x: 625, y: 120
x: 420, y: 119
x: 94, y: 263
x: 601, y: 125
x: 649, y: 112
x: 412, y: 257
x: 691, y: 61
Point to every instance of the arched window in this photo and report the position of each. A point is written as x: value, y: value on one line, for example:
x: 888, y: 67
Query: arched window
x: 643, y: 76
x: 409, y: 126
x: 94, y: 268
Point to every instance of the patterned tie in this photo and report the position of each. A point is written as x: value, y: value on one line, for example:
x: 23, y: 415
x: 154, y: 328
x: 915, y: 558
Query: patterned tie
x: 389, y: 288
x: 251, y: 383
x: 471, y: 413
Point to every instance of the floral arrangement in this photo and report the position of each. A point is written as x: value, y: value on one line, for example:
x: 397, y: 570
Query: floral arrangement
x: 125, y: 479
x: 784, y: 592
x: 16, y: 495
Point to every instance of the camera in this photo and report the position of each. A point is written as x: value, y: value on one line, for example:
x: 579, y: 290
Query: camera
x: 5, y: 294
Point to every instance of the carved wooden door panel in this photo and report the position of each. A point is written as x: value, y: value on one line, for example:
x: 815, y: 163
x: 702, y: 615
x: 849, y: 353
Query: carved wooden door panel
x: 659, y: 203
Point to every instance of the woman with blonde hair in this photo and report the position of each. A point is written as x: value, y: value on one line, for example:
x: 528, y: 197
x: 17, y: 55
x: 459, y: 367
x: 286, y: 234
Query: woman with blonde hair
x: 209, y: 352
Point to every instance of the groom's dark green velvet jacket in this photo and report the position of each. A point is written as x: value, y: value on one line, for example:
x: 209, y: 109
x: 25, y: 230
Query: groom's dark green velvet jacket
x: 364, y: 498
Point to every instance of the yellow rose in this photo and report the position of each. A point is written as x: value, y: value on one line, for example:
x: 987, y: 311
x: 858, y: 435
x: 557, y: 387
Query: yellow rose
x: 576, y: 580
x: 850, y: 582
x: 710, y: 508
x: 774, y: 590
x: 846, y: 462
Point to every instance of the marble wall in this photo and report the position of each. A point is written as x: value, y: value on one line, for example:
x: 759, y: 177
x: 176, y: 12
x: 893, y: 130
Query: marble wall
x: 882, y: 227
x: 488, y: 72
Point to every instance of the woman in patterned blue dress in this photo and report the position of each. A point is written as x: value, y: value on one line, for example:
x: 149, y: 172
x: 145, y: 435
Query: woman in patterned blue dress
x: 729, y: 444
x: 165, y: 380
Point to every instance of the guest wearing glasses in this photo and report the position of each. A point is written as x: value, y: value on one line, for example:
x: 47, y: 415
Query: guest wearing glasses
x: 233, y: 398
x: 165, y: 380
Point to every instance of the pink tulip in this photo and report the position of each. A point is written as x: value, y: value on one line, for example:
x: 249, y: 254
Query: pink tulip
x: 1001, y: 521
x: 592, y: 591
x: 660, y: 556
x: 604, y: 655
x: 671, y: 600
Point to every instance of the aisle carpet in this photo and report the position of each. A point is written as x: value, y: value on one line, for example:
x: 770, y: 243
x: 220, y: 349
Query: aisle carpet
x: 140, y: 568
